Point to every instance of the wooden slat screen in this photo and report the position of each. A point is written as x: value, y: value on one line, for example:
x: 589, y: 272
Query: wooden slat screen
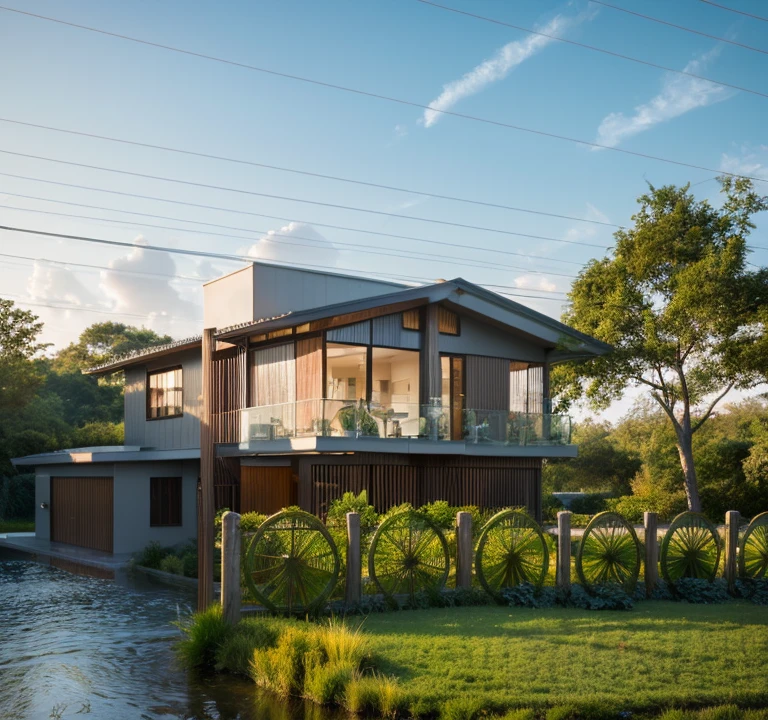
x: 229, y: 396
x: 309, y: 381
x: 266, y: 489
x: 82, y: 512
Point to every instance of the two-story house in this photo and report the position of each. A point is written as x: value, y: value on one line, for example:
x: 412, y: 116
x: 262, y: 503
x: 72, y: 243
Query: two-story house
x: 310, y: 384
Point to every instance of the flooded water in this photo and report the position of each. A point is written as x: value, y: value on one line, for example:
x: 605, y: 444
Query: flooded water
x: 74, y: 646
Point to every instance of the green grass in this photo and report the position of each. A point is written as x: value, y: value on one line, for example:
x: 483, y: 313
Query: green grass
x: 14, y: 526
x: 659, y: 655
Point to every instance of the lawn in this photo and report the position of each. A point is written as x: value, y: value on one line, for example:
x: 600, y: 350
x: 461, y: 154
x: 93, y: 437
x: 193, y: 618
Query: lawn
x: 14, y: 526
x: 660, y: 654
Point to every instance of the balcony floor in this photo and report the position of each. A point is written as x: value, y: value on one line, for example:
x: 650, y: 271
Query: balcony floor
x: 399, y: 446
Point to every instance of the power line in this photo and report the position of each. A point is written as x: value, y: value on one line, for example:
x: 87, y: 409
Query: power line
x: 281, y: 219
x: 78, y: 307
x: 308, y: 173
x: 733, y: 10
x: 254, y: 193
x: 209, y: 254
x: 432, y: 258
x: 377, y: 96
x: 592, y: 47
x: 679, y: 27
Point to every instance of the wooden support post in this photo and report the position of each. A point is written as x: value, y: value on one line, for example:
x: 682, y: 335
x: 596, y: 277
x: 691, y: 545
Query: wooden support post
x: 464, y: 550
x: 730, y: 570
x: 354, y: 561
x: 230, y: 566
x: 650, y: 523
x: 563, y: 572
x: 430, y: 356
x: 205, y: 511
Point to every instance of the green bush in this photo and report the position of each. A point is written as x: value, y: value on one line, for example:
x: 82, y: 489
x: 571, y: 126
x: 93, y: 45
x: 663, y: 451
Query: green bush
x: 152, y: 555
x: 444, y: 515
x: 189, y: 563
x: 17, y: 497
x: 550, y: 506
x: 203, y: 637
x: 172, y: 564
x: 632, y: 507
x: 349, y: 502
x: 250, y: 521
x: 600, y: 597
x: 590, y: 504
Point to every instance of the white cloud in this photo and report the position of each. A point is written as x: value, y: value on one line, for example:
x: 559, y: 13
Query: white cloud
x: 496, y: 68
x: 400, y: 131
x: 296, y: 243
x: 679, y: 94
x: 748, y: 161
x: 535, y: 282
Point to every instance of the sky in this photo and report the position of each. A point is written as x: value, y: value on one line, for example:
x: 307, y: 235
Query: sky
x: 64, y: 77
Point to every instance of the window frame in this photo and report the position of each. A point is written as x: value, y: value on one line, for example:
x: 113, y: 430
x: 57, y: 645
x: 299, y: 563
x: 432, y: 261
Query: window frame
x: 148, y: 392
x: 168, y: 509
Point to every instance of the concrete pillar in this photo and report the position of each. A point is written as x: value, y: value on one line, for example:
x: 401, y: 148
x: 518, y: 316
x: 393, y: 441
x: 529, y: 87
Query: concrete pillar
x: 463, y: 550
x: 230, y: 566
x: 650, y: 522
x: 354, y: 562
x: 731, y: 568
x: 563, y: 574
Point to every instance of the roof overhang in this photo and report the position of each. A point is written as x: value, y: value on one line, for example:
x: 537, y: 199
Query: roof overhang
x: 142, y: 356
x: 105, y: 455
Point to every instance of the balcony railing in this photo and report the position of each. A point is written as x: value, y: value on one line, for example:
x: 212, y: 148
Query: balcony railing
x: 344, y: 418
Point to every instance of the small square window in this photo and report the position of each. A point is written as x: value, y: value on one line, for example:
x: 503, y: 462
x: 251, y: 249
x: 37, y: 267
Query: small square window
x: 165, y: 394
x: 165, y: 502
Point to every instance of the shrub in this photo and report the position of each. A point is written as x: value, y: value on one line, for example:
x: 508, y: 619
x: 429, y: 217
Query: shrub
x: 17, y: 497
x: 602, y: 597
x: 589, y: 504
x: 528, y: 595
x: 250, y: 634
x: 550, y: 506
x: 152, y: 555
x: 703, y: 592
x: 172, y: 564
x: 203, y: 636
x: 349, y: 502
x: 250, y: 521
x: 189, y: 564
x: 632, y: 507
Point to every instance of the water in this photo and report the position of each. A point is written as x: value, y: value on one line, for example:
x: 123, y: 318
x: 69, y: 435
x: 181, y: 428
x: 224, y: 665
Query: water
x: 74, y: 646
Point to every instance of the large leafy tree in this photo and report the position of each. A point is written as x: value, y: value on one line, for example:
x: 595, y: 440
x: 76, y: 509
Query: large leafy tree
x: 19, y: 377
x: 683, y: 308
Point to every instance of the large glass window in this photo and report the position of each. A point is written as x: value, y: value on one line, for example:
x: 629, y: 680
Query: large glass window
x: 165, y: 394
x: 346, y: 372
x: 273, y: 375
x: 395, y: 391
x: 526, y: 387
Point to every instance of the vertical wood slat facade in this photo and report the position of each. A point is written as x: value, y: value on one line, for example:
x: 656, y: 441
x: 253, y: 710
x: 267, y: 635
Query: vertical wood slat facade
x: 267, y: 489
x: 390, y: 480
x: 487, y: 383
x: 229, y: 393
x: 82, y: 512
x: 431, y: 369
x: 205, y: 506
x: 309, y: 381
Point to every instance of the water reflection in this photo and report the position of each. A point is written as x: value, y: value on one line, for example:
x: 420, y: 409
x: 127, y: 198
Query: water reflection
x: 74, y: 646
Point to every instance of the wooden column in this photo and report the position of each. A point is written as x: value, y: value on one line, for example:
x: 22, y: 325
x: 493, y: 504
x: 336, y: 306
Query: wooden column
x: 205, y: 514
x: 431, y: 374
x: 650, y: 522
x: 354, y: 563
x: 230, y: 567
x: 730, y: 570
x: 464, y: 550
x: 563, y: 572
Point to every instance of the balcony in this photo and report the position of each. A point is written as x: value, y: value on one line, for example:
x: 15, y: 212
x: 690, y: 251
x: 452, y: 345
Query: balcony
x: 349, y: 426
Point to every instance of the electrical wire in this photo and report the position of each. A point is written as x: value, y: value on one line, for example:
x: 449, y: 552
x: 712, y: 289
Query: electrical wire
x: 336, y: 178
x: 378, y: 96
x: 432, y: 258
x: 679, y: 27
x: 733, y: 10
x: 80, y: 308
x: 281, y: 219
x: 336, y: 206
x: 591, y: 47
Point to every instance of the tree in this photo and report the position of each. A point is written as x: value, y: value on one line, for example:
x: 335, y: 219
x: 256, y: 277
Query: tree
x: 681, y: 307
x: 19, y: 378
x: 103, y: 342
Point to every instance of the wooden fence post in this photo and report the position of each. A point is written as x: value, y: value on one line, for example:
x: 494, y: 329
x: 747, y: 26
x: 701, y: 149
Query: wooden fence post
x: 650, y: 522
x: 464, y: 550
x: 354, y: 560
x: 205, y: 509
x: 230, y: 566
x: 563, y: 573
x: 730, y: 569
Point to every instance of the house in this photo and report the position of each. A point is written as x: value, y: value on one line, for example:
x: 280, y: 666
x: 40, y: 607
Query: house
x: 308, y: 384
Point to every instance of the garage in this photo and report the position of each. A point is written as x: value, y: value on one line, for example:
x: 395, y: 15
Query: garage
x: 82, y: 511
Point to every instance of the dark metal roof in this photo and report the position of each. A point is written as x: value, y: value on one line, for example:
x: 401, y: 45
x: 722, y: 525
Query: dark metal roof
x: 149, y: 352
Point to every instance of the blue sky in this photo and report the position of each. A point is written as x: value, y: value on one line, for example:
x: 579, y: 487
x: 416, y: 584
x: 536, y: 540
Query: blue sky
x: 74, y: 79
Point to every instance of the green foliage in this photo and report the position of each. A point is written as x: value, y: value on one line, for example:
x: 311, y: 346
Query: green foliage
x: 519, y: 714
x: 375, y: 694
x: 463, y: 708
x: 172, y: 564
x: 94, y: 434
x: 590, y: 504
x: 281, y: 668
x: 700, y: 591
x: 236, y: 652
x: 152, y: 555
x: 17, y: 497
x: 250, y: 521
x: 529, y: 596
x: 189, y: 562
x: 349, y: 502
x: 444, y: 515
x: 550, y: 505
x: 326, y: 682
x: 632, y: 507
x: 203, y: 636
x: 600, y: 597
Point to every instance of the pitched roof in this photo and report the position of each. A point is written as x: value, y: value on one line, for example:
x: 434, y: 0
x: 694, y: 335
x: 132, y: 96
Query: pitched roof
x: 149, y: 352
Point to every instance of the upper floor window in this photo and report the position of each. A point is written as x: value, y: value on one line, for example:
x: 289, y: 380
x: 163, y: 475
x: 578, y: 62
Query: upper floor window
x: 164, y: 394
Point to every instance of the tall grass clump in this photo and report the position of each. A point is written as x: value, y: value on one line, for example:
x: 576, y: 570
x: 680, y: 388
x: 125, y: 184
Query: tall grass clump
x: 236, y: 653
x: 281, y: 668
x: 203, y: 636
x: 374, y: 694
x: 341, y: 643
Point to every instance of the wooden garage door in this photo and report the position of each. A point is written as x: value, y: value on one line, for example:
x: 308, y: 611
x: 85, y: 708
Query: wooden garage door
x: 82, y: 511
x: 266, y: 489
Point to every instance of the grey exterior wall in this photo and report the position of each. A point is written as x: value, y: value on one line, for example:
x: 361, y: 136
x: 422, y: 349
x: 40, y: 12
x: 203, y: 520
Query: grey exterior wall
x: 479, y: 338
x: 167, y: 433
x: 132, y: 531
x: 388, y: 331
x: 228, y: 300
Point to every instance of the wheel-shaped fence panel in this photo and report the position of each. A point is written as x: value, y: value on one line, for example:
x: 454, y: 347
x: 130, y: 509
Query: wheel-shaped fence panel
x: 690, y: 548
x: 511, y: 550
x: 292, y: 563
x: 753, y: 549
x: 408, y: 554
x: 609, y: 552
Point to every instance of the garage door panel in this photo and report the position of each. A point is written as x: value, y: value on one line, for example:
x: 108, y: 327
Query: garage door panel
x: 82, y: 511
